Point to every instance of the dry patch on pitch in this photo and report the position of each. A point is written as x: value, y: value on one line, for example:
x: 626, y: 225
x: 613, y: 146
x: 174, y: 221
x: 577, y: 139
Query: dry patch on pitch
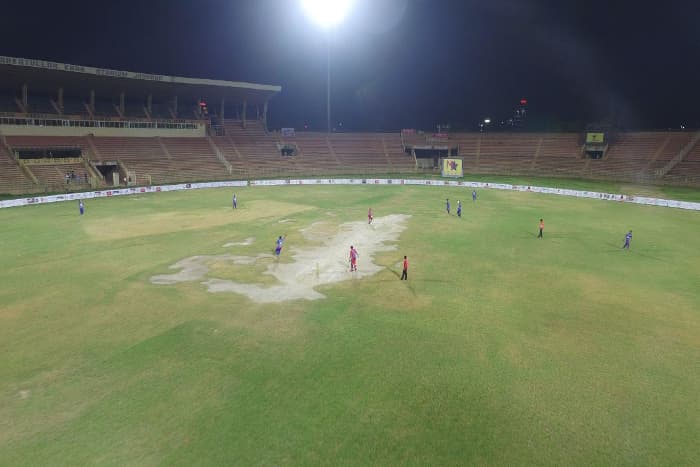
x: 138, y: 225
x: 264, y: 279
x: 247, y: 242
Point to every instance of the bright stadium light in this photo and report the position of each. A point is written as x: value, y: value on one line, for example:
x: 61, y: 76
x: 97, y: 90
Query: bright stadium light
x: 327, y: 13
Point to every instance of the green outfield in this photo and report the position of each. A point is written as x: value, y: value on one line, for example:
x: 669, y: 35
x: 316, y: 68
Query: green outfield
x: 500, y: 349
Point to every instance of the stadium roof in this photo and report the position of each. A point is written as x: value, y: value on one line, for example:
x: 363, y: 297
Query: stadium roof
x: 46, y: 77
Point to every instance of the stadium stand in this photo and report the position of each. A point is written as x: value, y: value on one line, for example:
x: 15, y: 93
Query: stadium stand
x: 558, y: 155
x: 193, y: 159
x: 363, y: 151
x: 259, y: 148
x: 52, y: 176
x: 12, y: 179
x: 194, y: 148
x: 687, y: 172
x: 145, y: 157
x: 399, y: 160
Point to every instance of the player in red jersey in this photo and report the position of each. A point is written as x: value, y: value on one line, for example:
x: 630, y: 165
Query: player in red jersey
x: 353, y: 259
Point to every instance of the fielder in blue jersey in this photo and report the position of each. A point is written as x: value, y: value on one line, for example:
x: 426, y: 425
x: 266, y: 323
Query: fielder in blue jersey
x: 447, y: 202
x: 628, y: 239
x: 81, y: 207
x: 235, y: 202
x: 473, y: 195
x: 278, y: 247
x: 459, y: 208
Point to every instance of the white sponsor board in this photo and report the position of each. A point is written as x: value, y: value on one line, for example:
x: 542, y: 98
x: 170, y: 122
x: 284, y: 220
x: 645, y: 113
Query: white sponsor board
x: 352, y: 181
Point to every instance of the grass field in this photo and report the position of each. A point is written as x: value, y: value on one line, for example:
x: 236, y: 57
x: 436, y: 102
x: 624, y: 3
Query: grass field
x: 500, y: 349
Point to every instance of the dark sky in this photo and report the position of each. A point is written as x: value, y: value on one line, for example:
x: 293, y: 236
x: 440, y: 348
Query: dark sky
x: 398, y: 63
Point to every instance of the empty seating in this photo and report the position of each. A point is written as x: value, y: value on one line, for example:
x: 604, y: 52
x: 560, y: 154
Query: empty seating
x: 253, y: 152
x: 688, y: 171
x: 53, y: 176
x: 12, y: 179
x: 193, y: 159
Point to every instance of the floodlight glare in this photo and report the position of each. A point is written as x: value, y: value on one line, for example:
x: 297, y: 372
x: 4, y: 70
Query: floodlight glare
x: 327, y: 13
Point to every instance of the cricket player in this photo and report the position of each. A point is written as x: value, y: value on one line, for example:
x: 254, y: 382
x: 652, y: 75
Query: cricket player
x: 541, y: 228
x: 278, y: 247
x: 81, y: 207
x: 235, y: 202
x: 473, y: 195
x: 628, y: 239
x: 447, y: 205
x: 353, y: 259
x: 459, y: 208
x: 370, y: 218
x: 404, y: 274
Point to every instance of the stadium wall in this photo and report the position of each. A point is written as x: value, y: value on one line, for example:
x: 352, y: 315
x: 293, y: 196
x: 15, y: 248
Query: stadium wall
x: 21, y: 130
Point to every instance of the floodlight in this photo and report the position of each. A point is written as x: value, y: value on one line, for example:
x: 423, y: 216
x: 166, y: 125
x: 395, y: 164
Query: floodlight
x: 327, y: 13
x: 487, y: 120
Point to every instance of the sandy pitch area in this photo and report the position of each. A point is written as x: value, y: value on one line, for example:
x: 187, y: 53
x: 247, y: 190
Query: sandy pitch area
x: 312, y: 266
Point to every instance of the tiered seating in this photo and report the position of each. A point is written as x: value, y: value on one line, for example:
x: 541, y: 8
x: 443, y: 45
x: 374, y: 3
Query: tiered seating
x: 629, y: 156
x: 415, y: 139
x: 688, y: 171
x: 559, y: 155
x: 53, y: 176
x: 256, y: 146
x: 468, y: 144
x: 364, y: 151
x: 398, y: 159
x: 507, y: 153
x: 252, y: 152
x: 228, y: 150
x: 673, y: 144
x: 313, y: 153
x: 12, y: 179
x: 144, y: 156
x: 193, y: 159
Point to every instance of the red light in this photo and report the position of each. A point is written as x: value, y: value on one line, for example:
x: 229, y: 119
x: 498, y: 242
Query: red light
x: 523, y: 101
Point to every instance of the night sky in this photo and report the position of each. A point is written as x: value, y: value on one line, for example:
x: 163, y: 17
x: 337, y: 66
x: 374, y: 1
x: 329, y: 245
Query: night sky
x: 399, y: 63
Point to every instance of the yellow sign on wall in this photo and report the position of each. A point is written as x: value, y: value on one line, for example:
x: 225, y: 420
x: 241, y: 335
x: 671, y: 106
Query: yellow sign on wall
x: 595, y: 138
x: 452, y: 168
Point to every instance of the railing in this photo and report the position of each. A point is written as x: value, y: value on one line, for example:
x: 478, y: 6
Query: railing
x: 52, y: 161
x: 72, y: 123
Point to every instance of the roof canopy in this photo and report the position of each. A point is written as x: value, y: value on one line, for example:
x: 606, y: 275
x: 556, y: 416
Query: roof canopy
x: 46, y: 77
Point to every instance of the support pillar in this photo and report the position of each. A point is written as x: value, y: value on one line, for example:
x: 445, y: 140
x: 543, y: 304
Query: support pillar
x: 264, y: 117
x: 25, y: 95
x: 221, y: 112
x: 175, y: 106
x: 257, y: 112
x: 244, y: 113
x: 149, y: 103
x: 92, y: 100
x: 60, y: 99
x: 122, y: 95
